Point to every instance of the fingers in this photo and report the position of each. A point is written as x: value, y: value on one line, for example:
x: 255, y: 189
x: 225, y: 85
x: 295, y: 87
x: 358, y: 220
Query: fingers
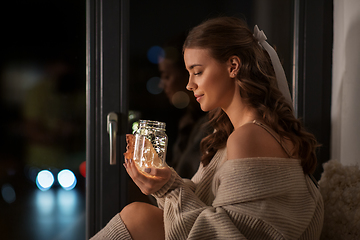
x: 135, y: 175
x: 149, y: 181
x: 132, y: 170
x: 145, y: 183
x: 164, y: 172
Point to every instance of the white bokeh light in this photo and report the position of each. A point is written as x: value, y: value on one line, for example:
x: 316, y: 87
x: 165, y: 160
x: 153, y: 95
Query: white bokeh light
x: 44, y: 180
x: 67, y: 179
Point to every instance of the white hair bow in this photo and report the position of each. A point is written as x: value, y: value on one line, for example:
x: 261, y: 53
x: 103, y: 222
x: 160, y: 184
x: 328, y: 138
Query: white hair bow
x: 279, y: 71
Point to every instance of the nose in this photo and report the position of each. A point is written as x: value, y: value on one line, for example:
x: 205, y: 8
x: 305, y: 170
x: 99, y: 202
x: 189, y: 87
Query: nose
x: 161, y: 83
x: 191, y: 86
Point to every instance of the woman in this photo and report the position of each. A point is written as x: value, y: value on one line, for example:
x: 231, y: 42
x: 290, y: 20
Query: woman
x: 253, y: 181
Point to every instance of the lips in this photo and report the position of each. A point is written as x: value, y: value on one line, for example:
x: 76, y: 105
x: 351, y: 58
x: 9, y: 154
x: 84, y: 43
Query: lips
x: 198, y: 97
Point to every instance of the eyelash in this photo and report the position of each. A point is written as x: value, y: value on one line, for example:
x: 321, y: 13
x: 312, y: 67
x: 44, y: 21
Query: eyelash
x: 197, y: 73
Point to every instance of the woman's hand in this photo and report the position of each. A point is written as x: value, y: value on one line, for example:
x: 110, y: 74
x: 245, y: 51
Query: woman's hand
x: 151, y: 181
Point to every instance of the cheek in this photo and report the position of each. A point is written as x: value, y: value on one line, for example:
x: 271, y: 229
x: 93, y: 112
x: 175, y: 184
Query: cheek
x: 163, y: 83
x: 171, y: 82
x: 221, y: 86
x: 216, y: 81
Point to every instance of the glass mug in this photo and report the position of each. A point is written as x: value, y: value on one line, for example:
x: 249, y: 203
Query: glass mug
x: 150, y: 144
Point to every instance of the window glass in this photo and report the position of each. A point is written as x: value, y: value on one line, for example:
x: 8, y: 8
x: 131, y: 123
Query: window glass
x: 42, y: 104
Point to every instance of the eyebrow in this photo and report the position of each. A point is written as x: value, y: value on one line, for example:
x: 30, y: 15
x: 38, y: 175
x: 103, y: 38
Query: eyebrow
x: 194, y: 65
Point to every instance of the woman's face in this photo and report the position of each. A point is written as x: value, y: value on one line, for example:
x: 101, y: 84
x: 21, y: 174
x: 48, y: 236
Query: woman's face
x: 209, y: 79
x: 172, y: 78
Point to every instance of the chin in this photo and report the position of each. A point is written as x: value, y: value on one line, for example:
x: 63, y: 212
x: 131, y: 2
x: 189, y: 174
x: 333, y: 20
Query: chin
x: 205, y: 109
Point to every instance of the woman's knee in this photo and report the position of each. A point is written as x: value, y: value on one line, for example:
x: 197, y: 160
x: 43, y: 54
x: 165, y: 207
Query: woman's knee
x: 129, y: 210
x: 139, y: 210
x: 142, y: 218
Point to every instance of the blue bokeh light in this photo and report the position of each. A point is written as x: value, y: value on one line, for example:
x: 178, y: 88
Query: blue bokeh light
x: 152, y: 85
x: 8, y: 193
x: 155, y: 54
x: 67, y: 179
x: 44, y: 180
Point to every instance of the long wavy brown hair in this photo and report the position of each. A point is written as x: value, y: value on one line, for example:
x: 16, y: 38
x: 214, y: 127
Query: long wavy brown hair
x: 228, y: 36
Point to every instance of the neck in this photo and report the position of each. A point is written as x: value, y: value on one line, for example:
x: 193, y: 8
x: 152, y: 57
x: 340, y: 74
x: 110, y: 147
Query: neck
x: 239, y: 113
x: 241, y: 116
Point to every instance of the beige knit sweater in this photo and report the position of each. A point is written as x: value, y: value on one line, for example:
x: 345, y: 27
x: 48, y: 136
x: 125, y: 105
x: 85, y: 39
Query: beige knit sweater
x: 253, y: 198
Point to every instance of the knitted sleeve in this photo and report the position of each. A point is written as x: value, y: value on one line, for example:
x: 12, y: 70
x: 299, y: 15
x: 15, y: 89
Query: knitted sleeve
x: 114, y: 229
x: 253, y: 199
x: 187, y: 217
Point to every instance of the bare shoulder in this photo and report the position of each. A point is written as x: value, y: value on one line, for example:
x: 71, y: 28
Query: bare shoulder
x: 243, y: 142
x: 251, y: 141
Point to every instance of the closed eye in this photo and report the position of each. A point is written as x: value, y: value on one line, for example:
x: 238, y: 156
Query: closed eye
x: 198, y: 73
